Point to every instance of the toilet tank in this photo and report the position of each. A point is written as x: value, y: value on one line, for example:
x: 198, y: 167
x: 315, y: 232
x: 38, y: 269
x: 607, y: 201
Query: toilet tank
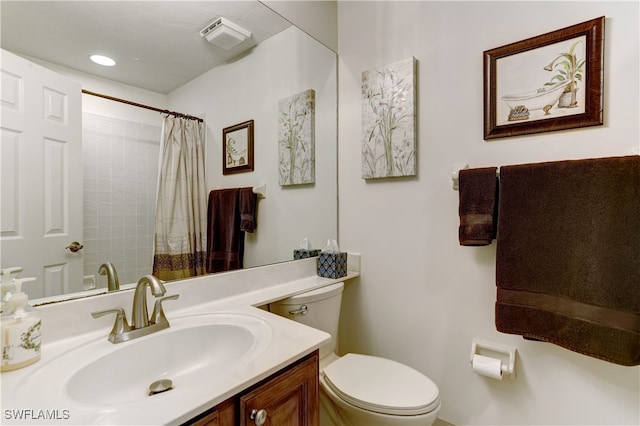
x: 322, y: 311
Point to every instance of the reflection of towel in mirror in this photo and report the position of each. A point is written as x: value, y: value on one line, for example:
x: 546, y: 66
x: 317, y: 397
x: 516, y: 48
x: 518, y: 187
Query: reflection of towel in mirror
x: 568, y: 255
x: 225, y: 241
x: 477, y: 206
x: 248, y: 209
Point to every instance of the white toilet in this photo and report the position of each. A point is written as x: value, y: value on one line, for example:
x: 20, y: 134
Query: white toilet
x: 360, y: 390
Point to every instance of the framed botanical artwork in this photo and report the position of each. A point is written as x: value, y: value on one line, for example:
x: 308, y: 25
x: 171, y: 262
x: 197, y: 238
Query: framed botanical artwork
x: 237, y: 148
x: 546, y: 83
x: 389, y: 120
x: 296, y: 139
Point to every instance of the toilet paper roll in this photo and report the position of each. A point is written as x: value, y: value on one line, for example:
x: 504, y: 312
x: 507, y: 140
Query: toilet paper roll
x: 487, y: 366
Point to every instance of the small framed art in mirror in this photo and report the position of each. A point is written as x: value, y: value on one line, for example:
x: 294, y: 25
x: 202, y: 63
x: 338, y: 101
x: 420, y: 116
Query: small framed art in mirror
x: 237, y: 148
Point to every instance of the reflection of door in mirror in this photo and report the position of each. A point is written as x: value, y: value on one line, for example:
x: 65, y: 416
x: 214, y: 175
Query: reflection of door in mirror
x: 41, y: 182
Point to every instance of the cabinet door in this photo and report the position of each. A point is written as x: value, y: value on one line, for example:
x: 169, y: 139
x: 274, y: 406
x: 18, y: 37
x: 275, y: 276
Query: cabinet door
x: 221, y: 415
x: 289, y: 399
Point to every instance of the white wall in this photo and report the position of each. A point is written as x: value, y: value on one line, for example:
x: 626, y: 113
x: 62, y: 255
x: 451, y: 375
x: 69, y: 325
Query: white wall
x: 422, y: 298
x: 249, y: 88
x: 318, y: 18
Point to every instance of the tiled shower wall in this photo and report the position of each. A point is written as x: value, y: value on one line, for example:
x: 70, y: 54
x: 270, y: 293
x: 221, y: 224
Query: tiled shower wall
x: 120, y: 171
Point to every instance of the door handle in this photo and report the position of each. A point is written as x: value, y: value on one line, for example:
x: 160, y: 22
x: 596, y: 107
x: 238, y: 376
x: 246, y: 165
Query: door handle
x: 74, y: 247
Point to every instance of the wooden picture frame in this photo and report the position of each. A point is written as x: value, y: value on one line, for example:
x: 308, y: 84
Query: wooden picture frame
x: 525, y: 93
x: 237, y: 148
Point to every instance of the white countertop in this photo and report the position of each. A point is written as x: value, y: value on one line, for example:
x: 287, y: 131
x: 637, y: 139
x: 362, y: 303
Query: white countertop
x: 70, y: 326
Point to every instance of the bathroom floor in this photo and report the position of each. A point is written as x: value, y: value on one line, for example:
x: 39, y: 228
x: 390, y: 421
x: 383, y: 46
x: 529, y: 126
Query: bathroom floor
x: 440, y: 422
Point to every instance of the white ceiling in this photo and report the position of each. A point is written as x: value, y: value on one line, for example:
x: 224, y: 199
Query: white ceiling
x: 156, y: 44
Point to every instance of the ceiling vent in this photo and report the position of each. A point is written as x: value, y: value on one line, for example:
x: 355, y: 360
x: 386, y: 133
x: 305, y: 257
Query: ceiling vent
x: 224, y: 33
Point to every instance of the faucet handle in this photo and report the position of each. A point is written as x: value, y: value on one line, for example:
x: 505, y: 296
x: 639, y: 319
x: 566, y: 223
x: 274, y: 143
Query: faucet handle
x: 158, y: 316
x: 119, y: 326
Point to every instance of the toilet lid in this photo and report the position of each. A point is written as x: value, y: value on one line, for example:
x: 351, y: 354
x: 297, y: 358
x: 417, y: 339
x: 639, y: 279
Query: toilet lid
x: 381, y: 385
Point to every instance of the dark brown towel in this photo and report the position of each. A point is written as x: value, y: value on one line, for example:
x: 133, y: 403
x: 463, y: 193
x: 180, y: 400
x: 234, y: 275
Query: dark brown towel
x: 568, y: 255
x: 225, y: 241
x: 478, y: 206
x: 248, y: 222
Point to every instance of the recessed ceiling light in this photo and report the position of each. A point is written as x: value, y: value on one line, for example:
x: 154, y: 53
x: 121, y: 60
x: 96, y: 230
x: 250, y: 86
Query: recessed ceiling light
x: 102, y: 60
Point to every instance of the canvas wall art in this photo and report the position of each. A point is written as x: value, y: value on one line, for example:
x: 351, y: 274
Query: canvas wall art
x: 296, y: 139
x: 389, y: 120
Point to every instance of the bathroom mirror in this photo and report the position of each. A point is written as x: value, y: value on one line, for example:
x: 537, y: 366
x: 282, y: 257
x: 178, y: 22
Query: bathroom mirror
x: 245, y: 83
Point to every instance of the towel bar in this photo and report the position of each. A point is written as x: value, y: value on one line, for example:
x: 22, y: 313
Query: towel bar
x: 455, y: 174
x: 260, y: 190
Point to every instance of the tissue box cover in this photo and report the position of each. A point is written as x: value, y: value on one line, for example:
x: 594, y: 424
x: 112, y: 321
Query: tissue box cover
x: 304, y: 254
x: 332, y: 265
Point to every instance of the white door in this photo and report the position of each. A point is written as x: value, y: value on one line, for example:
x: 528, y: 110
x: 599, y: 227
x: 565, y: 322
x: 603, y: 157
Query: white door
x: 41, y: 175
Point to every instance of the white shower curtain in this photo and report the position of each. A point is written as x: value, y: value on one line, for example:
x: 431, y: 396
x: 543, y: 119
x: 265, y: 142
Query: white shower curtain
x: 181, y: 213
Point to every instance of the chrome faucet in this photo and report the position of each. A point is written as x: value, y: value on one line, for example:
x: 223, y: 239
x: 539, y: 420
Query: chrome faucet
x: 140, y: 325
x: 139, y: 314
x: 112, y: 276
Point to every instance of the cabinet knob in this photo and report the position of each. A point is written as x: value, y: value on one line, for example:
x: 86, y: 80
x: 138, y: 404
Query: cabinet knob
x: 259, y: 417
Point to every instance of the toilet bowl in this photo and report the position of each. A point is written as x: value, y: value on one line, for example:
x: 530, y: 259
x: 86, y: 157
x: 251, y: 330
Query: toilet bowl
x: 358, y: 389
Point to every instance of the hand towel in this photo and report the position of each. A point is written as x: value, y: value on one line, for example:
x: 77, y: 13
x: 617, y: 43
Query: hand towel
x: 248, y: 213
x: 477, y: 206
x: 225, y: 241
x: 568, y: 255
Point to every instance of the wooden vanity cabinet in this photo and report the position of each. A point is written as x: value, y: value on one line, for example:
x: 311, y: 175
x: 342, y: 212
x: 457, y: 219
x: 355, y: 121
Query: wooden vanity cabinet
x: 221, y: 415
x: 290, y: 397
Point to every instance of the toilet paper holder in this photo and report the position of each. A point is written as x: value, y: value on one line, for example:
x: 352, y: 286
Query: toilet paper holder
x: 506, y: 354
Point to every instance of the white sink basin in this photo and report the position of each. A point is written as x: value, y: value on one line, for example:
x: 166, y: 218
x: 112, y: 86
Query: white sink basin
x: 193, y: 351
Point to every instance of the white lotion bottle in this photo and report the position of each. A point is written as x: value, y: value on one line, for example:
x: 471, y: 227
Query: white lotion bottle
x: 21, y: 338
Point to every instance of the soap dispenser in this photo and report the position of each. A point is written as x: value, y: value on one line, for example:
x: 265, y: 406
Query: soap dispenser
x: 7, y: 276
x: 20, y: 329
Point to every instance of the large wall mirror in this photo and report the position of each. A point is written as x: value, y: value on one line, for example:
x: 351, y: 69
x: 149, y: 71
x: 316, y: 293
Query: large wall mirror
x: 165, y: 63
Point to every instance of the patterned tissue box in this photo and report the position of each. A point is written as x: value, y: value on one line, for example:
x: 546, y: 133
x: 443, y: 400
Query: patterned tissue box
x: 304, y: 254
x: 332, y: 265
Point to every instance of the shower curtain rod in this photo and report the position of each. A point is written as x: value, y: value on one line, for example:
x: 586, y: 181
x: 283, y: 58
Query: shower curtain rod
x: 124, y: 101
